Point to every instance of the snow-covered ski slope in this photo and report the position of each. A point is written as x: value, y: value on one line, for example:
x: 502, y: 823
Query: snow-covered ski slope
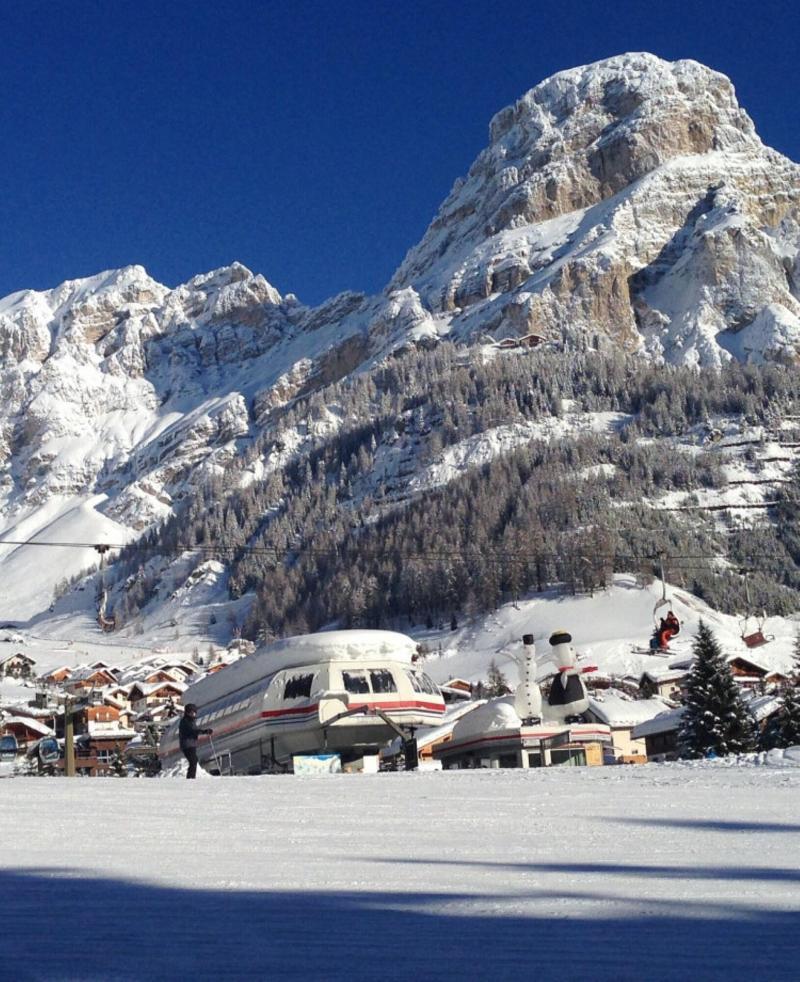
x: 609, y: 628
x: 666, y: 872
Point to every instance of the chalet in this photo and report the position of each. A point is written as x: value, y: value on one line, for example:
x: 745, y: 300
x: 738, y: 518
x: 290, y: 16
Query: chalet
x: 119, y: 695
x: 84, y: 677
x: 143, y: 694
x: 159, y: 713
x: 17, y: 666
x: 660, y: 734
x: 57, y: 676
x: 122, y: 706
x: 103, y: 720
x: 97, y: 756
x: 161, y: 675
x: 752, y: 673
x: 217, y: 667
x: 622, y: 714
x: 26, y: 729
x: 667, y: 684
x: 181, y: 670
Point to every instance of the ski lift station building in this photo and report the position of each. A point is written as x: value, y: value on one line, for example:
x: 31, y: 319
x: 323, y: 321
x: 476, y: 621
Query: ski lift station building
x: 493, y: 736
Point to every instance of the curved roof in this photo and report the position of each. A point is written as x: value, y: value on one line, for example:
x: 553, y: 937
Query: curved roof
x: 305, y: 649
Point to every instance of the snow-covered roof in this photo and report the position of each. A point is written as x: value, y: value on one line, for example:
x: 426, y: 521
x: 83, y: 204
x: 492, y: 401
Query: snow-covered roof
x: 29, y: 722
x: 85, y: 672
x: 616, y: 709
x: 763, y: 706
x: 306, y: 649
x: 116, y: 734
x: 495, y: 714
x: 112, y: 701
x: 55, y: 671
x: 35, y: 712
x: 148, y: 688
x: 17, y: 654
x: 667, y: 675
x: 663, y: 723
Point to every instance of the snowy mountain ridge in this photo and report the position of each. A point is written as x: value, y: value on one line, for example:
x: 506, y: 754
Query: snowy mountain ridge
x: 630, y: 200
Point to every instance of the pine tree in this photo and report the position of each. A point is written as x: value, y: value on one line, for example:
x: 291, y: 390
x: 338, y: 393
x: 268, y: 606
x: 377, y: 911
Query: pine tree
x: 496, y: 683
x: 715, y: 720
x: 789, y: 718
x: 796, y: 658
x: 119, y: 767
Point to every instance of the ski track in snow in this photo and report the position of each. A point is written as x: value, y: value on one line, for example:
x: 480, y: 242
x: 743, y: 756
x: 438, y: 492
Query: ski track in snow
x: 663, y: 872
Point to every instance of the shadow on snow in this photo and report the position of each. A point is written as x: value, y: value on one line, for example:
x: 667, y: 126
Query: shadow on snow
x: 60, y: 924
x: 709, y: 825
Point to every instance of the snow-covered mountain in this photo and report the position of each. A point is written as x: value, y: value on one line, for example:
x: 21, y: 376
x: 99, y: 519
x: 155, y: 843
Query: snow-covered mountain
x: 629, y: 199
x: 633, y: 198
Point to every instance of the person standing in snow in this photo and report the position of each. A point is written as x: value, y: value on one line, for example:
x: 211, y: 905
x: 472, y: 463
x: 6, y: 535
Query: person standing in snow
x: 188, y: 733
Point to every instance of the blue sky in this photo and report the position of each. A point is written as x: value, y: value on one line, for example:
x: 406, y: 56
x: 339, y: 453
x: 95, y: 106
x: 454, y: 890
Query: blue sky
x: 311, y: 141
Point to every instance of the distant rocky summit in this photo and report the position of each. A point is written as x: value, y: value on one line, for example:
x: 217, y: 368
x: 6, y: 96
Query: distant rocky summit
x: 632, y: 198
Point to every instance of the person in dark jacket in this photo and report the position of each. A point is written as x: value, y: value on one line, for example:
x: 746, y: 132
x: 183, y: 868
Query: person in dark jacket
x: 188, y: 733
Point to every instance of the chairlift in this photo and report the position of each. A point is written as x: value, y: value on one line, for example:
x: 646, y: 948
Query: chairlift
x: 664, y: 628
x: 664, y: 600
x: 9, y: 748
x: 756, y: 638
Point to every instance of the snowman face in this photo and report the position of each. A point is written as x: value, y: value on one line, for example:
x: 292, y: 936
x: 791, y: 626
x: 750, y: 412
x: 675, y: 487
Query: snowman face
x: 564, y: 655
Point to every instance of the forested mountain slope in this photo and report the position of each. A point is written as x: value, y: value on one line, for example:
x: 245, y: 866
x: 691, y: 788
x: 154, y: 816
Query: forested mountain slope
x: 386, y: 457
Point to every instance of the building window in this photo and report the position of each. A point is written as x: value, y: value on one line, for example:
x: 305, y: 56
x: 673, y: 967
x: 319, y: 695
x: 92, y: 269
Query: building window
x: 573, y: 756
x: 412, y: 676
x: 428, y: 685
x: 298, y: 687
x: 382, y: 680
x: 355, y: 682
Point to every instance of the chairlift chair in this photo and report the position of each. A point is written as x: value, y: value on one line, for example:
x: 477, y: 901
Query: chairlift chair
x: 753, y: 639
x: 663, y: 601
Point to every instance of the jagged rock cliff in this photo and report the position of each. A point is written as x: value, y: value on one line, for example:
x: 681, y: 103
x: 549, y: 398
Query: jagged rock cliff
x: 630, y: 199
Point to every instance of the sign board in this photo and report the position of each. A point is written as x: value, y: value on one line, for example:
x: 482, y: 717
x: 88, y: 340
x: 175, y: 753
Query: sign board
x: 364, y: 765
x: 317, y: 764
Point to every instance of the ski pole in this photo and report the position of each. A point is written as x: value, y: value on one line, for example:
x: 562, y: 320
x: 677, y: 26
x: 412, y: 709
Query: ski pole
x: 214, y: 752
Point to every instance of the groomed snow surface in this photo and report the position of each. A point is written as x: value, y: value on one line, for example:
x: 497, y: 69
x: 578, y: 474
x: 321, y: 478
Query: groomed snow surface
x: 673, y: 871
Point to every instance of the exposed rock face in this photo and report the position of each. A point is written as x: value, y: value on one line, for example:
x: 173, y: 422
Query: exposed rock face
x: 630, y: 197
x: 120, y: 391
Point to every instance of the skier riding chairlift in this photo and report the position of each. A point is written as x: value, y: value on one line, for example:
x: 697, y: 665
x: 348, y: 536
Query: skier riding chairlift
x: 669, y: 628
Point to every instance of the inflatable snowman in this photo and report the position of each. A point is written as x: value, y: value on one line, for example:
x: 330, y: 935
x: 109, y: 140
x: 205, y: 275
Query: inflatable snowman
x: 568, y: 696
x: 527, y: 697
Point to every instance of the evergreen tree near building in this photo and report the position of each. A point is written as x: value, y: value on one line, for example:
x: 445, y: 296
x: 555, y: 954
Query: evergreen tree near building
x: 789, y: 718
x: 796, y: 656
x: 715, y: 722
x: 496, y: 682
x: 119, y: 767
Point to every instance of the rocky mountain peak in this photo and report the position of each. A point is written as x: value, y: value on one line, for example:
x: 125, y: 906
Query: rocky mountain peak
x: 593, y: 176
